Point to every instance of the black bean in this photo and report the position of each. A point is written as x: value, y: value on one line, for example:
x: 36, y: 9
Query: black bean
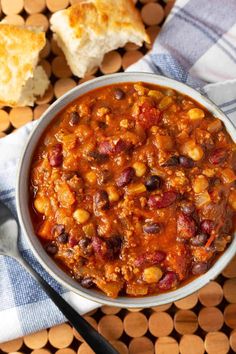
x: 199, y: 268
x: 207, y: 226
x: 119, y: 94
x: 98, y: 157
x: 84, y: 242
x: 74, y: 118
x: 125, y: 177
x: 114, y: 244
x: 199, y: 239
x: 172, y: 161
x: 101, y: 200
x: 63, y: 238
x: 58, y: 229
x: 152, y: 228
x: 51, y: 249
x: 87, y: 282
x: 187, y: 207
x: 186, y: 162
x: 154, y: 182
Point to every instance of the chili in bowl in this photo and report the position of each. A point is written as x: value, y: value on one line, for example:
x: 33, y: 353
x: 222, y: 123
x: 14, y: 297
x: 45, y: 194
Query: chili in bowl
x: 130, y: 185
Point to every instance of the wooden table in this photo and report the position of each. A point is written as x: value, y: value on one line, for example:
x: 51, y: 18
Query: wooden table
x: 204, y: 322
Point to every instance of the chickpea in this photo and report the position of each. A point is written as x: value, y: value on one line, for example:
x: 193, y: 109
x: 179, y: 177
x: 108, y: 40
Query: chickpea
x: 152, y: 274
x: 196, y: 113
x: 81, y: 216
x: 191, y: 149
x: 91, y: 177
x: 41, y: 204
x: 140, y: 169
x: 200, y: 184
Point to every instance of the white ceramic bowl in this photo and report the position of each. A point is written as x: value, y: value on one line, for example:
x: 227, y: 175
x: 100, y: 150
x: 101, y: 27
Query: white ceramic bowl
x: 22, y: 194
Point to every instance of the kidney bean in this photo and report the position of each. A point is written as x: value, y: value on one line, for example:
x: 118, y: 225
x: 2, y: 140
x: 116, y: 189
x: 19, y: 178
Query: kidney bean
x: 199, y: 240
x: 51, y: 249
x: 152, y: 228
x: 162, y: 201
x: 152, y: 258
x: 168, y: 281
x: 87, y: 282
x: 186, y: 207
x: 85, y: 245
x: 63, y: 238
x: 122, y: 145
x: 207, y: 226
x: 58, y: 229
x: 172, y: 161
x: 217, y: 156
x: 74, y: 118
x: 98, y: 246
x: 119, y: 94
x: 106, y: 147
x: 72, y: 241
x: 101, y: 200
x: 102, y: 125
x: 154, y: 182
x: 55, y: 156
x: 199, y: 268
x: 114, y: 245
x: 186, y: 162
x: 98, y: 157
x: 125, y: 177
x: 186, y: 227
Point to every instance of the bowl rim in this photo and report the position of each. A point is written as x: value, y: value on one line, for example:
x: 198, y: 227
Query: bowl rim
x: 22, y: 193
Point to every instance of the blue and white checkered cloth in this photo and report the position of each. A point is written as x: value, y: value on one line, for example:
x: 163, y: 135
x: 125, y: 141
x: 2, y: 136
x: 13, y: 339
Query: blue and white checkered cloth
x: 197, y: 46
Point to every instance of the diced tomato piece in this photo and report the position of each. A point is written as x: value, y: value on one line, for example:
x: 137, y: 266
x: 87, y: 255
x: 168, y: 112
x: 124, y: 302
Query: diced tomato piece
x: 149, y: 115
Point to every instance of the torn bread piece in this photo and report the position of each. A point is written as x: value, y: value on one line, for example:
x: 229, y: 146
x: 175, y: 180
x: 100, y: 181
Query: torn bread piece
x: 21, y: 80
x: 88, y: 30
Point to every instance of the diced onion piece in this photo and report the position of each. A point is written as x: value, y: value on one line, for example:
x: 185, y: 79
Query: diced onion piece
x: 136, y: 188
x: 215, y: 126
x: 41, y: 204
x: 136, y: 289
x: 228, y: 175
x: 152, y: 274
x: 140, y: 168
x: 200, y: 184
x: 202, y: 199
x: 45, y: 230
x: 232, y: 199
x: 81, y: 216
x: 196, y: 113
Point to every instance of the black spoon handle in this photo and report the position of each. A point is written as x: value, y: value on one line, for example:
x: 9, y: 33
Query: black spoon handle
x: 95, y: 340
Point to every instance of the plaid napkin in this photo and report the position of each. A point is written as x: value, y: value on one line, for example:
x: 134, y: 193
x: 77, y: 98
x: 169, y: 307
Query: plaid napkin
x: 197, y: 45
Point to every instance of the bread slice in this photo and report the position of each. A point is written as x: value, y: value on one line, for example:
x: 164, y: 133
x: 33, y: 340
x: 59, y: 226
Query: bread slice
x: 21, y: 80
x: 91, y: 28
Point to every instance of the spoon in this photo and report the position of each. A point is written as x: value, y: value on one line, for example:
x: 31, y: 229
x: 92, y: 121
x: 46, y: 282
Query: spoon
x: 8, y: 247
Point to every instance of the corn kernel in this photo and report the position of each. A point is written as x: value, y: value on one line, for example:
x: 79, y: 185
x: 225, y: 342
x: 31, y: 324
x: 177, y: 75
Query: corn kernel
x: 200, y: 184
x: 136, y: 188
x: 140, y: 168
x: 81, y: 216
x: 154, y: 129
x: 113, y: 195
x: 41, y: 204
x: 228, y: 175
x: 209, y: 172
x: 158, y: 95
x: 141, y: 90
x: 196, y: 113
x: 152, y: 274
x: 232, y: 199
x: 124, y: 123
x: 165, y: 102
x: 91, y: 177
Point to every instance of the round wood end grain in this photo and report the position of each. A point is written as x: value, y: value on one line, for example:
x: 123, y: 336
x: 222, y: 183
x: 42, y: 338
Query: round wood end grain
x: 39, y: 110
x: 211, y: 294
x: 65, y: 351
x: 120, y: 346
x: 86, y: 78
x: 191, y: 344
x: 210, y: 319
x: 38, y: 20
x: 46, y: 67
x: 55, y: 48
x: 10, y: 7
x: 4, y: 120
x: 131, y: 46
x: 47, y: 97
x: 166, y: 345
x: 185, y: 322
x: 36, y: 340
x: 130, y: 58
x: 232, y: 340
x: 168, y: 7
x: 110, y: 310
x: 62, y: 86
x: 141, y: 345
x: 188, y: 302
x: 20, y: 116
x: 160, y: 324
x: 41, y: 351
x: 90, y: 320
x: 60, y: 67
x: 152, y: 32
x: 61, y: 336
x: 152, y: 14
x: 111, y: 63
x: 12, y: 346
x: 110, y: 326
x: 229, y: 289
x: 216, y: 343
x: 230, y: 270
x: 34, y: 6
x: 162, y: 308
x: 46, y: 50
x: 15, y: 20
x: 135, y: 324
x: 56, y: 5
x: 85, y: 349
x: 230, y: 315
